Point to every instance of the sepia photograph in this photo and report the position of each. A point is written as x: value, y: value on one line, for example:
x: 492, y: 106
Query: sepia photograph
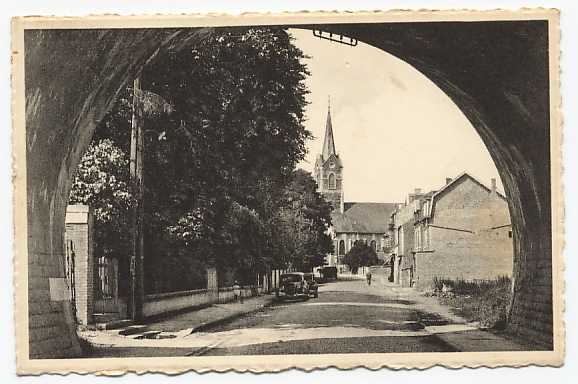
x: 307, y: 190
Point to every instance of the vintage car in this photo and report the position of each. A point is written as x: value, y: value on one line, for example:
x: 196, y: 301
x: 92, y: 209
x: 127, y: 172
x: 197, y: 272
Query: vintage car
x: 312, y: 285
x: 293, y: 286
x: 328, y: 273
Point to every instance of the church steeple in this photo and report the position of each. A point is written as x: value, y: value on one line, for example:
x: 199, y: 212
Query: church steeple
x: 328, y: 143
x: 329, y: 169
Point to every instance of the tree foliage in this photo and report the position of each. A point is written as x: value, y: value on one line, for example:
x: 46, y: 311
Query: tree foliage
x: 360, y: 255
x: 101, y: 181
x: 305, y: 218
x: 221, y: 153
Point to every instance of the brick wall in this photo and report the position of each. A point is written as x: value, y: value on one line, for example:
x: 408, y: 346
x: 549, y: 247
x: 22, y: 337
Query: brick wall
x: 51, y: 326
x: 460, y: 255
x: 470, y: 237
x: 79, y: 238
x: 531, y: 315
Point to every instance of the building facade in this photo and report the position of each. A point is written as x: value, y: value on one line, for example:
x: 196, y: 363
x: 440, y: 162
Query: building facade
x: 351, y: 221
x: 363, y: 222
x: 461, y: 231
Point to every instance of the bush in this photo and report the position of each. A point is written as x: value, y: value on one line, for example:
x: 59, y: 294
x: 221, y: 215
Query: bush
x: 483, y: 301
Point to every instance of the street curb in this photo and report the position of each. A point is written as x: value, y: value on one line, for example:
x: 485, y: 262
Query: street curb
x: 115, y: 324
x: 223, y: 320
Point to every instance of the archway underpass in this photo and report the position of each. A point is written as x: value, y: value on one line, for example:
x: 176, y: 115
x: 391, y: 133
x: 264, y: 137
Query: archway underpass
x: 73, y: 76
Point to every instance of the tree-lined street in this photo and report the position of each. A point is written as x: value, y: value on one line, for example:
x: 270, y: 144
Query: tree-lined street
x: 214, y: 202
x: 347, y: 317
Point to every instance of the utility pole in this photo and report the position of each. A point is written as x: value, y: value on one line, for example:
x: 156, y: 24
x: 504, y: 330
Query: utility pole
x: 136, y: 177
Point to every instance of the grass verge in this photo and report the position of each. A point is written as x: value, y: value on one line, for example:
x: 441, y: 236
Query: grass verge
x: 482, y: 301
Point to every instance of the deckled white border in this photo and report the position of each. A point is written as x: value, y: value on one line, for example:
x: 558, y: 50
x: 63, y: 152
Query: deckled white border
x: 305, y: 362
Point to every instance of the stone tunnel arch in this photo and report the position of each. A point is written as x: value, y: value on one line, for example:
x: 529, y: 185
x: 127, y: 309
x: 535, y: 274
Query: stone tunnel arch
x: 503, y: 103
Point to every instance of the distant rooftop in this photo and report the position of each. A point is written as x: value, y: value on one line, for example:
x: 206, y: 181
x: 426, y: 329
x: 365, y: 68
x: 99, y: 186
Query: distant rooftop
x: 363, y: 217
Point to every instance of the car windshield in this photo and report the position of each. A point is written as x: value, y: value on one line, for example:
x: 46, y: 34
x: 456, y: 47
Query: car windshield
x: 290, y: 278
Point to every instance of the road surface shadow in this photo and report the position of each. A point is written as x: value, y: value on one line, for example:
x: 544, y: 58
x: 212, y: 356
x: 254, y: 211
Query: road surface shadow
x: 382, y: 344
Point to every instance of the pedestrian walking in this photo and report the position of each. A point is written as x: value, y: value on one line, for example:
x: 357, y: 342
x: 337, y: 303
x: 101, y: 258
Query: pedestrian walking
x: 368, y: 277
x: 237, y: 292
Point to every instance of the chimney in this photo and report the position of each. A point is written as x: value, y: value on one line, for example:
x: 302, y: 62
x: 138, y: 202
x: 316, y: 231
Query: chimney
x: 448, y: 180
x: 493, y: 185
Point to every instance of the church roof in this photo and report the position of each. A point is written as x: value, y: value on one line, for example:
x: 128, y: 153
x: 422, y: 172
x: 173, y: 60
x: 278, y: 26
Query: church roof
x: 328, y: 142
x: 363, y: 217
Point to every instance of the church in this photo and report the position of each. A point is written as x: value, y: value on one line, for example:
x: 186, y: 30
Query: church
x: 351, y: 221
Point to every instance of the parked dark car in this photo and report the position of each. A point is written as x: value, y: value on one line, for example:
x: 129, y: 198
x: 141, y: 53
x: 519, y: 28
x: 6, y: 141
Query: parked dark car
x: 328, y: 273
x: 312, y: 285
x: 293, y: 286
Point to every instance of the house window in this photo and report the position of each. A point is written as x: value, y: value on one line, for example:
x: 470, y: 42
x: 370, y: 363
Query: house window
x: 331, y: 181
x: 341, y: 247
x: 421, y: 238
x: 510, y: 234
x: 373, y: 245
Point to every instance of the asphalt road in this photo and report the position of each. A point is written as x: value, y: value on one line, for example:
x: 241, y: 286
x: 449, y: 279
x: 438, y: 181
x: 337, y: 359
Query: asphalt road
x: 347, y: 317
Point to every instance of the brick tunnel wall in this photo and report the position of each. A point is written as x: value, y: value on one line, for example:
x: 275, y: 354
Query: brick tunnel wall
x: 504, y: 103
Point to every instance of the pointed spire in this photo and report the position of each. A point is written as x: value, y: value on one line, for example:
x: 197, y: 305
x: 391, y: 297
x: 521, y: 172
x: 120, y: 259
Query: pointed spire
x: 328, y: 143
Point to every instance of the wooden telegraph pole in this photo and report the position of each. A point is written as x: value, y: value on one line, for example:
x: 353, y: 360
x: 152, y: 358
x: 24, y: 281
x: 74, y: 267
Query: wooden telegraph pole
x: 136, y: 177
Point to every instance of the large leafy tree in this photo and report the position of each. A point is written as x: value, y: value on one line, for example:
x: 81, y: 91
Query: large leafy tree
x: 224, y: 154
x: 240, y: 94
x: 237, y: 130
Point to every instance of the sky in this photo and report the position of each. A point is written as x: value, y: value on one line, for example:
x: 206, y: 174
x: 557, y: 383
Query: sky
x: 394, y: 129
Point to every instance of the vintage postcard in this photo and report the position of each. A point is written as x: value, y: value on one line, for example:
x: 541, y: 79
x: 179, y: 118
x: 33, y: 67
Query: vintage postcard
x: 307, y: 190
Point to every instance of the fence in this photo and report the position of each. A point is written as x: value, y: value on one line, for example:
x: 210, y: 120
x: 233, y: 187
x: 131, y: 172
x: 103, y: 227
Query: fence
x: 162, y: 303
x: 158, y: 304
x: 350, y: 276
x: 107, y: 300
x: 275, y: 277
